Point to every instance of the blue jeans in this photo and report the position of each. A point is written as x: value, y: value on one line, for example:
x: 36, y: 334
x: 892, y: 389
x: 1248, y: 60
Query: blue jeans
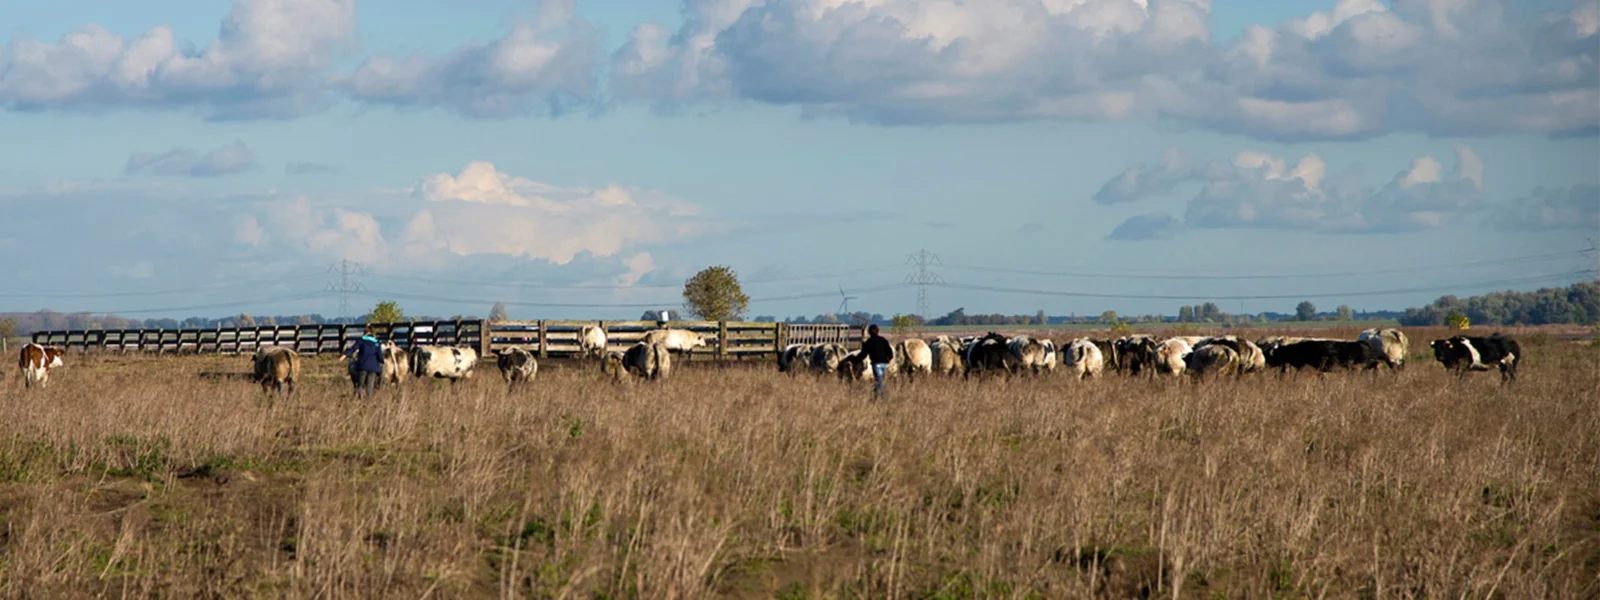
x: 879, y: 370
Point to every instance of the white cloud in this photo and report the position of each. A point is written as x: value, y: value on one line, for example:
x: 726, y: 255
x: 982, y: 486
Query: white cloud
x: 248, y: 231
x: 481, y: 211
x: 232, y: 158
x: 1357, y: 70
x: 1258, y: 190
x: 547, y: 64
x: 638, y: 266
x: 265, y: 62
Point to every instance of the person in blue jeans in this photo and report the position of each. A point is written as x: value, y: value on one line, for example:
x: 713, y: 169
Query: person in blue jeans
x: 879, y: 353
x: 366, y: 362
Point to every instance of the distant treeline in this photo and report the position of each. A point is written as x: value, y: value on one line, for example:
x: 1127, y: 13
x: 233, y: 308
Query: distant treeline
x: 1577, y: 304
x: 44, y: 320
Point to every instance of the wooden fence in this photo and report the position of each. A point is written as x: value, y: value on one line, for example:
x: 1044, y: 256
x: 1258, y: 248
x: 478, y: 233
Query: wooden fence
x: 725, y: 339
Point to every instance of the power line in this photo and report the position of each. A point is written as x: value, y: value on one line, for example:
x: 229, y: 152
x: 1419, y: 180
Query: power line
x: 923, y: 277
x: 232, y: 304
x: 255, y: 285
x: 1095, y: 275
x: 656, y: 304
x: 1349, y: 294
x: 610, y: 287
x: 347, y: 284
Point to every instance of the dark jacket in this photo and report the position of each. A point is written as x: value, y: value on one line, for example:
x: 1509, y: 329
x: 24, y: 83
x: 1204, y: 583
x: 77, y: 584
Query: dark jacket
x: 877, y: 350
x: 365, y: 355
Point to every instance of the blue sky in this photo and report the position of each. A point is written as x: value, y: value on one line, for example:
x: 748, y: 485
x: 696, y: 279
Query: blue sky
x: 580, y: 159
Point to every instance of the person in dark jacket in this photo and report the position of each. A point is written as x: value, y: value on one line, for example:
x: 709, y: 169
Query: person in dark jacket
x: 366, y: 362
x: 879, y: 353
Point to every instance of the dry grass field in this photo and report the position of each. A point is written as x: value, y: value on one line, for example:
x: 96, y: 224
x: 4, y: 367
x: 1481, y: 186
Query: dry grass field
x: 146, y: 476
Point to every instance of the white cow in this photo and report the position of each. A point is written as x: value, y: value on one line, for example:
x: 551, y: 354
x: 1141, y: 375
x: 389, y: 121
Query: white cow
x: 443, y: 362
x: 1084, y: 359
x: 1170, y: 354
x: 1391, y: 344
x: 591, y: 341
x: 1051, y: 356
x: 913, y: 356
x: 1024, y: 352
x: 946, y: 355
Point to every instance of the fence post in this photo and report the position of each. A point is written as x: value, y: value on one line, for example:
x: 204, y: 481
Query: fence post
x: 485, y: 338
x: 722, y: 340
x: 544, y: 340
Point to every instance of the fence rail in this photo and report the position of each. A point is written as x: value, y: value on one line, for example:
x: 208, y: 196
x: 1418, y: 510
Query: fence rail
x: 547, y: 338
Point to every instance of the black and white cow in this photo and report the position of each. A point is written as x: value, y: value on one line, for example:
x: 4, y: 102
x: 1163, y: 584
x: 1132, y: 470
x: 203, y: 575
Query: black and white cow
x: 1464, y: 353
x: 1323, y: 355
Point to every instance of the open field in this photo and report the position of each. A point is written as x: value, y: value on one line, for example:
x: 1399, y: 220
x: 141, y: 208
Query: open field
x: 140, y: 475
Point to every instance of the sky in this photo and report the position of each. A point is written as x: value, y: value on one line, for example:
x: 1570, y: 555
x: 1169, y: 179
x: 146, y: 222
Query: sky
x: 581, y: 159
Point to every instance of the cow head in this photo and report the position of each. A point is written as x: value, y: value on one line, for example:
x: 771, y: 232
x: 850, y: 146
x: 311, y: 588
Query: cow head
x: 52, y: 357
x: 1449, y: 351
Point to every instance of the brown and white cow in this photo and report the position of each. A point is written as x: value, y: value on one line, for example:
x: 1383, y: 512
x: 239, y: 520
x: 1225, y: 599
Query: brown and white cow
x: 276, y: 369
x: 36, y: 362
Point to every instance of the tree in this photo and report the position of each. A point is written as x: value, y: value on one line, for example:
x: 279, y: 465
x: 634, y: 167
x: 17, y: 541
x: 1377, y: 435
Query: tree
x: 1185, y: 314
x: 386, y: 313
x: 901, y: 324
x: 8, y: 328
x: 1108, y: 317
x: 1043, y: 319
x: 498, y: 312
x: 244, y: 320
x: 714, y: 295
x: 1345, y: 313
x: 1458, y: 320
x: 1305, y: 311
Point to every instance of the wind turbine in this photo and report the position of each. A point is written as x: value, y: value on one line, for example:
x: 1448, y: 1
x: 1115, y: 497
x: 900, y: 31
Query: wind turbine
x: 844, y: 303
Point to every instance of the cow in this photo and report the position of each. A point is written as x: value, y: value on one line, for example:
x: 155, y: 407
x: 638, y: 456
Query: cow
x: 1251, y: 358
x: 854, y: 367
x: 986, y: 354
x: 1135, y: 353
x: 1024, y: 352
x: 591, y: 341
x: 1323, y: 355
x: 825, y: 357
x: 1391, y: 345
x: 1213, y: 358
x: 794, y: 358
x: 1268, y: 343
x: 1463, y: 353
x: 1051, y: 357
x: 1108, y: 354
x: 1084, y: 358
x: 1169, y: 355
x: 276, y: 369
x: 613, y: 365
x: 516, y: 366
x: 946, y: 355
x: 442, y: 362
x: 35, y: 363
x: 394, y: 364
x: 676, y: 340
x: 913, y: 356
x: 649, y: 361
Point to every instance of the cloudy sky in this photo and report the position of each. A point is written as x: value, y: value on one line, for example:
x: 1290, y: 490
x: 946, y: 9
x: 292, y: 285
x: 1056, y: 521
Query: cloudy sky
x: 581, y: 158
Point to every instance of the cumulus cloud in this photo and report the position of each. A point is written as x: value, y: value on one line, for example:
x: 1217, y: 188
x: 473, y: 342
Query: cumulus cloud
x: 1575, y: 207
x: 638, y: 266
x: 482, y: 211
x: 309, y: 168
x: 1154, y: 226
x: 183, y: 162
x: 546, y: 64
x: 1259, y: 190
x: 1358, y: 70
x: 266, y: 62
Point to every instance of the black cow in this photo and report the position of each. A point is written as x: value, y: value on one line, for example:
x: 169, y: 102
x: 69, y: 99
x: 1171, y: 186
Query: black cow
x: 1463, y: 353
x: 987, y: 353
x: 1108, y: 352
x: 1323, y: 355
x: 1134, y: 353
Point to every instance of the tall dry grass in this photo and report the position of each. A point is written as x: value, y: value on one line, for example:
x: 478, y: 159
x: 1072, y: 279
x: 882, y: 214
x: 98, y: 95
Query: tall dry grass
x: 138, y: 476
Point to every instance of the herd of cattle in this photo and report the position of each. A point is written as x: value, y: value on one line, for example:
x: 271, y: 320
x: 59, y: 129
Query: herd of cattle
x: 1144, y: 354
x: 277, y: 369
